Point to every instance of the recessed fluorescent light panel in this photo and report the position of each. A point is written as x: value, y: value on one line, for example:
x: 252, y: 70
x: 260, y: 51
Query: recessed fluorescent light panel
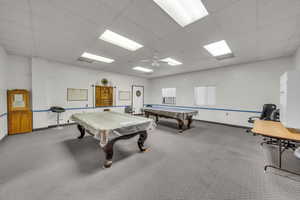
x: 219, y: 48
x: 96, y: 57
x: 120, y: 40
x: 143, y: 69
x: 171, y: 61
x: 184, y: 12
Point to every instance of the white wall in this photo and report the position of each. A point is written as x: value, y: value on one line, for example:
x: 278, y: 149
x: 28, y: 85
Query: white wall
x: 19, y: 72
x: 50, y: 81
x: 3, y: 87
x: 241, y: 87
x: 297, y: 59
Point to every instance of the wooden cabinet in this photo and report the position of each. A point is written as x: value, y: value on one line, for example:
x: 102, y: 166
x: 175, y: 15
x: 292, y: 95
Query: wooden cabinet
x: 19, y: 111
x: 104, y: 96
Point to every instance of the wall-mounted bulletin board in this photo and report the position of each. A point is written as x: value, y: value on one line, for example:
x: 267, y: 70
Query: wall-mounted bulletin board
x: 74, y: 94
x: 124, y: 95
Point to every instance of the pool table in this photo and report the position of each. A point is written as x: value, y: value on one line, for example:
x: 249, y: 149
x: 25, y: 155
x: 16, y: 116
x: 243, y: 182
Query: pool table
x: 109, y: 127
x: 182, y: 116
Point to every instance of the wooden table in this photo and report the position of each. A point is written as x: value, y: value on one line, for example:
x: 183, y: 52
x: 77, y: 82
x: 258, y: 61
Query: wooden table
x: 283, y: 135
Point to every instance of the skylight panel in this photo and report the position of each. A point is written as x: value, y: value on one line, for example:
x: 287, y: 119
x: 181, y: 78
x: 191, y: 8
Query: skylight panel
x: 171, y: 61
x: 142, y: 69
x: 96, y: 57
x: 120, y: 41
x: 219, y: 48
x: 184, y: 12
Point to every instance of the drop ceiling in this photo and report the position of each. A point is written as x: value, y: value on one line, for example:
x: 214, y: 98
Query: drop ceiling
x: 63, y: 30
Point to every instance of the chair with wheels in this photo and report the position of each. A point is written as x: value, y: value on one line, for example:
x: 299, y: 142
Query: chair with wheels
x: 297, y: 153
x: 128, y: 110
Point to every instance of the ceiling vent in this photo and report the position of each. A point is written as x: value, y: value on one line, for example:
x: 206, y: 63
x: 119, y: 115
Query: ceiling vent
x: 224, y: 57
x: 82, y: 59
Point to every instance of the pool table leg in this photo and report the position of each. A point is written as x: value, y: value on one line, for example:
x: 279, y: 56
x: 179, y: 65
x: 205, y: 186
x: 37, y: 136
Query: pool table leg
x: 190, y: 120
x: 81, y: 130
x: 180, y: 125
x: 156, y: 118
x: 109, y: 153
x: 141, y: 141
x: 109, y: 147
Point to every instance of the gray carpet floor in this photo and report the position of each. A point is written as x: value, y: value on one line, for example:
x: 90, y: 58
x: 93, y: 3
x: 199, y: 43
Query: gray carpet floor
x: 209, y: 162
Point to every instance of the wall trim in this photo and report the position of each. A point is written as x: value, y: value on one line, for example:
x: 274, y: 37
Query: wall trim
x: 52, y: 126
x: 3, y: 114
x: 205, y: 108
x: 84, y: 108
x: 224, y: 124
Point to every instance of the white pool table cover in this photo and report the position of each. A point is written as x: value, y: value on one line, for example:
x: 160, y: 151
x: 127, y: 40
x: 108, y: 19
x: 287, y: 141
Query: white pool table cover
x: 107, y: 125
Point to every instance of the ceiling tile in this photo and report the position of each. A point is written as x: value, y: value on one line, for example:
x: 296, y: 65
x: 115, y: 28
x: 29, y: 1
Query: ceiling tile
x: 18, y: 14
x: 238, y: 19
x: 148, y: 15
x: 270, y: 12
x: 118, y: 5
x: 213, y: 6
x: 94, y: 11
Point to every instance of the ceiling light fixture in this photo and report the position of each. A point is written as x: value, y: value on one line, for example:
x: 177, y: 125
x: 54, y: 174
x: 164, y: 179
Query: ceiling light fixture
x: 171, y: 61
x: 96, y: 57
x: 184, y: 12
x: 142, y: 69
x: 120, y: 40
x: 219, y: 48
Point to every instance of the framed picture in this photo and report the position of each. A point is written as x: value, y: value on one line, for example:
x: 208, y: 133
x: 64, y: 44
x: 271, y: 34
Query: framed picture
x: 74, y: 94
x: 124, y: 95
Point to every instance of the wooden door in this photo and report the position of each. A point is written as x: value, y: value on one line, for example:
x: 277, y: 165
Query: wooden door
x: 104, y: 96
x: 19, y: 112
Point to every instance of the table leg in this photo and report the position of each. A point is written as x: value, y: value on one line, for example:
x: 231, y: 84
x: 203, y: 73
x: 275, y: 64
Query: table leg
x: 109, y: 147
x: 180, y: 125
x: 81, y: 130
x: 141, y: 141
x: 156, y: 118
x: 279, y: 167
x: 147, y: 114
x: 190, y: 120
x: 109, y: 153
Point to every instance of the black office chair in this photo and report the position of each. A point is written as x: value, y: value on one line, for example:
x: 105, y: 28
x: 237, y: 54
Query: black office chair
x: 128, y: 110
x: 265, y: 114
x: 58, y: 111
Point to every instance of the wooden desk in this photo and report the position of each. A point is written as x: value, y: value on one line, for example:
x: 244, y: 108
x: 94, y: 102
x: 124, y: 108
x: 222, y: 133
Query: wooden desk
x: 283, y: 136
x: 275, y: 129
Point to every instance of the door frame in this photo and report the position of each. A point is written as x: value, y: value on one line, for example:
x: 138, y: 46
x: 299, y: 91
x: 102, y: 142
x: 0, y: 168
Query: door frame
x: 132, y: 94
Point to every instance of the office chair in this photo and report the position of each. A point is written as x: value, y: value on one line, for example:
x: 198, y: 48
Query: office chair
x: 128, y: 110
x: 297, y: 153
x: 265, y: 115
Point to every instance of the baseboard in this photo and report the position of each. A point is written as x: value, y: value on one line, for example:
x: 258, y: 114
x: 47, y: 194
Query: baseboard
x: 224, y: 124
x: 211, y: 122
x: 3, y: 136
x: 52, y: 126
